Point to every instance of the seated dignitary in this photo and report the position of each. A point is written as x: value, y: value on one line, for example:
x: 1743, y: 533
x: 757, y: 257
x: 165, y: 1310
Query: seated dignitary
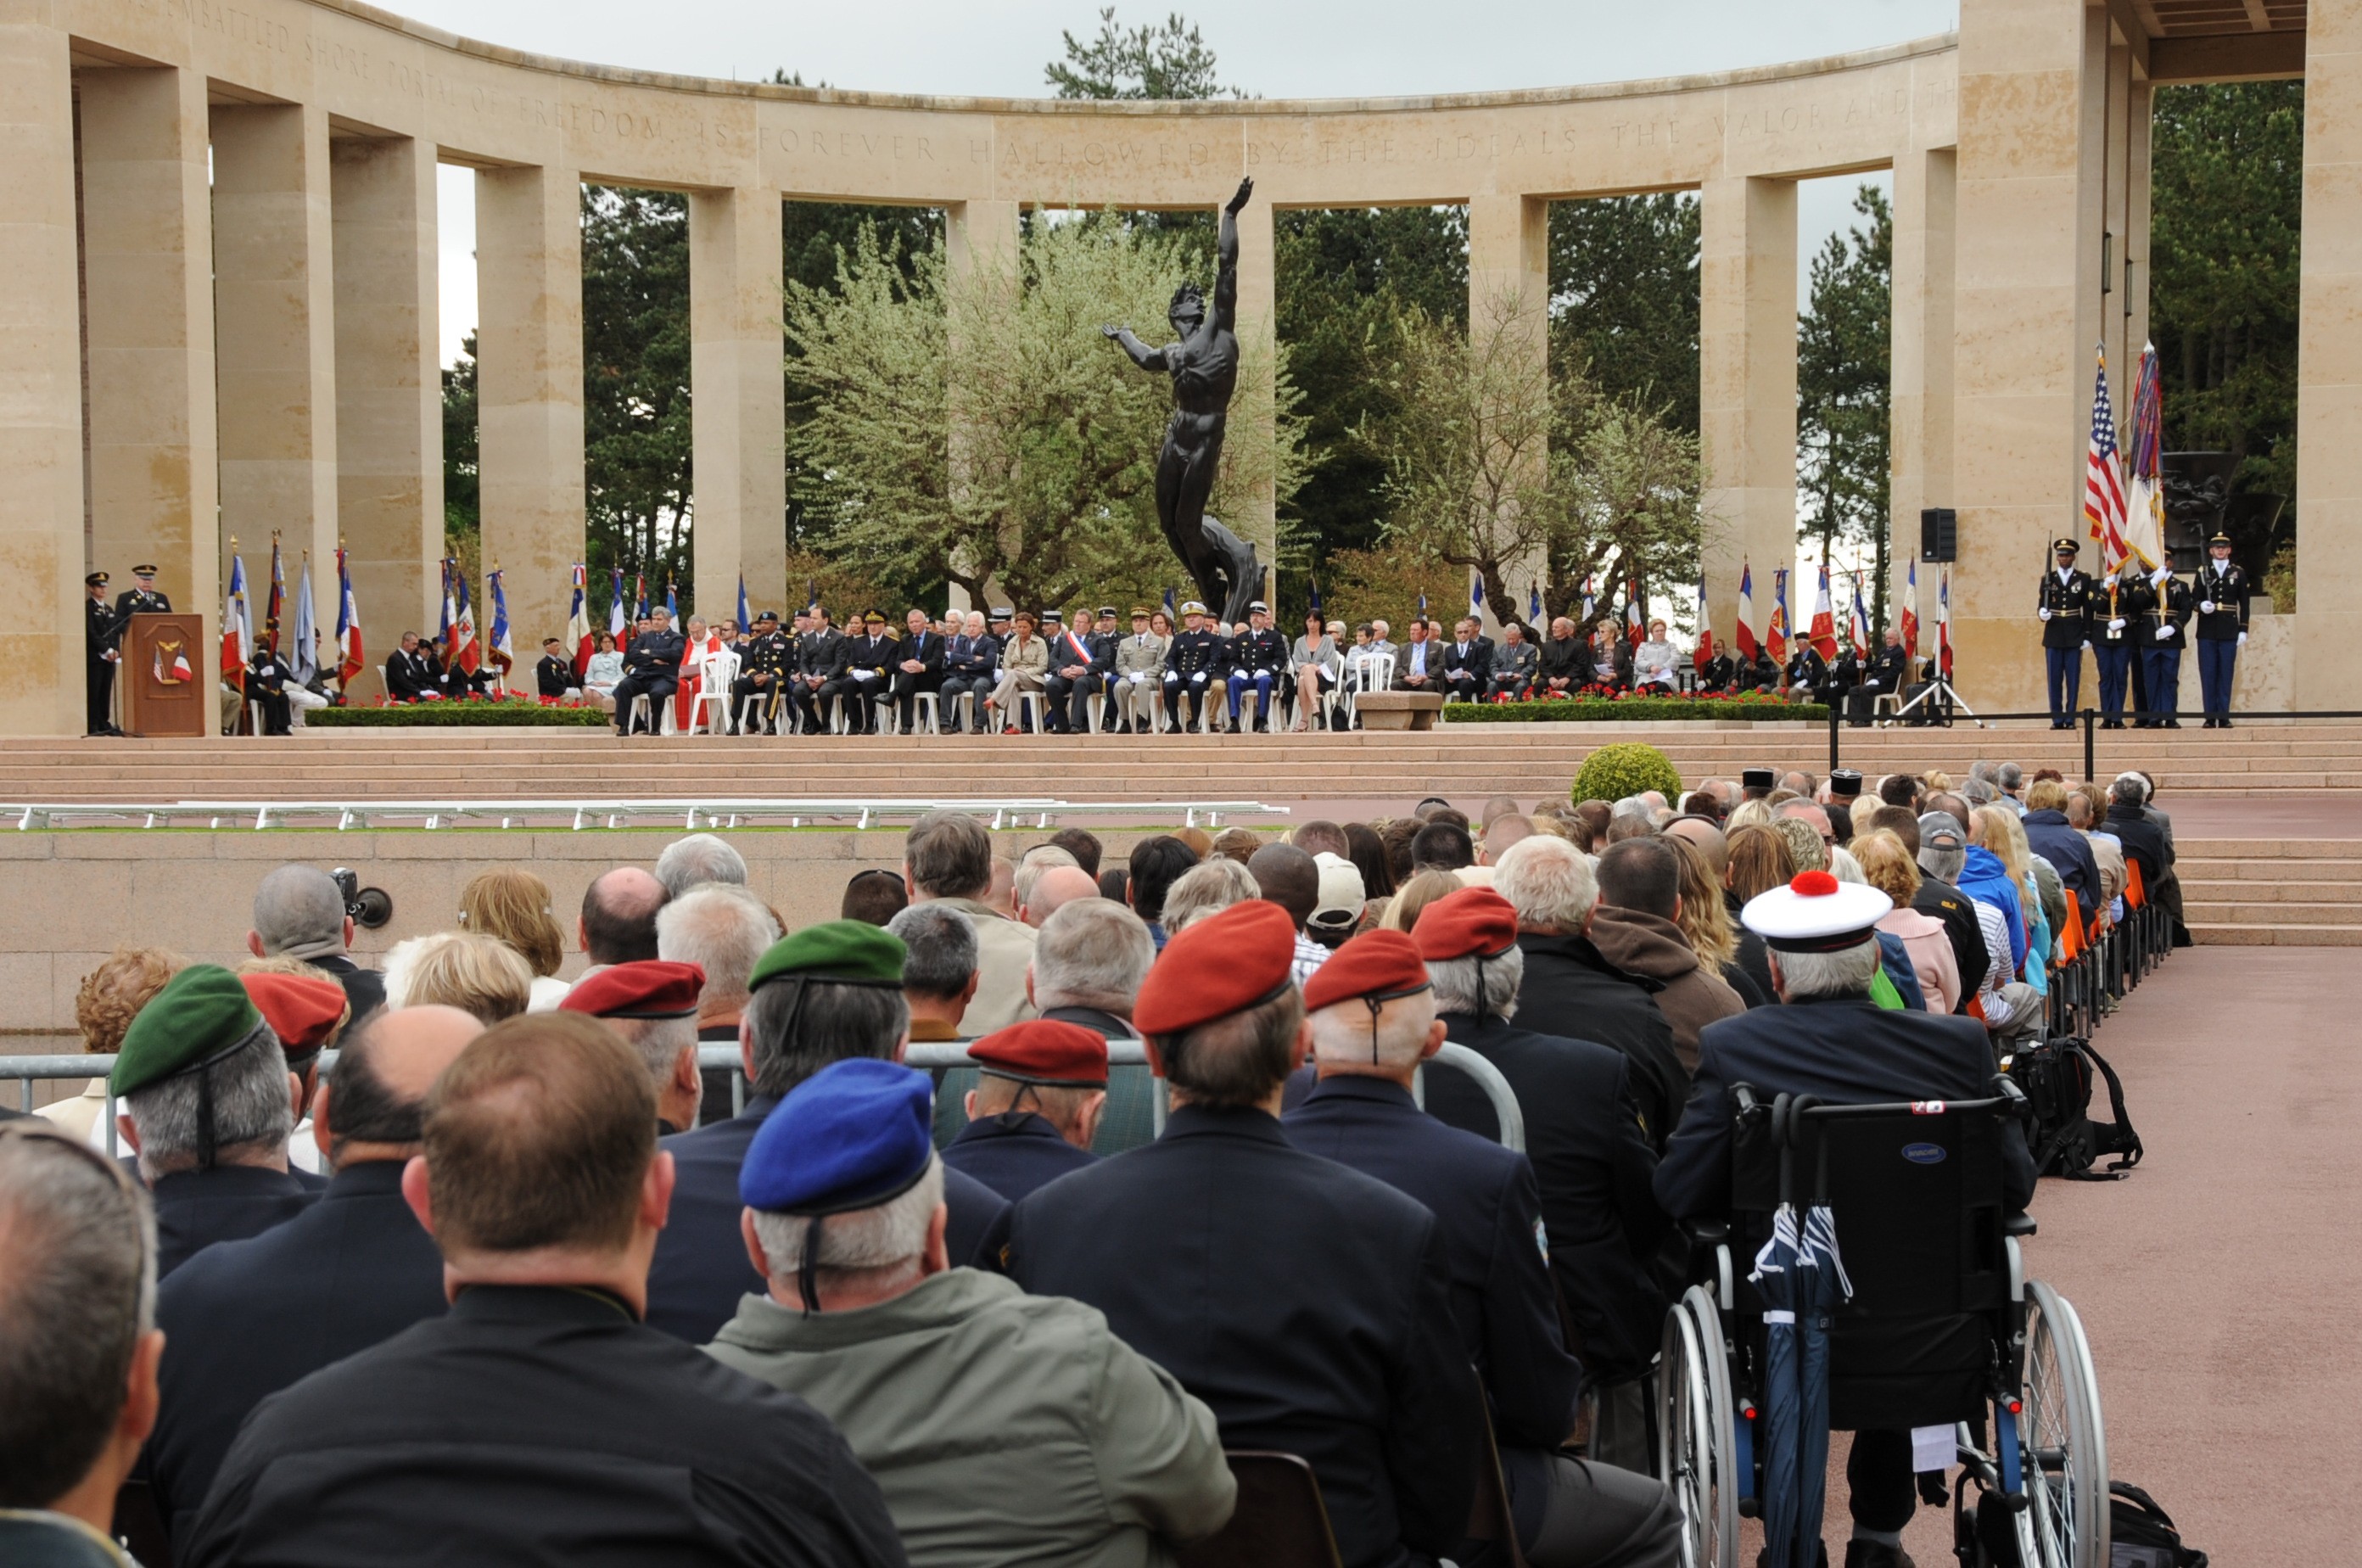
x: 207, y: 1105
x: 1831, y: 1041
x: 1307, y: 1304
x: 78, y: 1346
x: 1582, y: 1133
x: 1088, y: 966
x: 825, y: 994
x: 651, y: 1004
x: 539, y: 1420
x: 1373, y: 1020
x: 651, y: 670
x: 249, y: 1317
x: 298, y: 912
x: 1036, y: 1107
x: 1002, y: 1426
x: 971, y: 665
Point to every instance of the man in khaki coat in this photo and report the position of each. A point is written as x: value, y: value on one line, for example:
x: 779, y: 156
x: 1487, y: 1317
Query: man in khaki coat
x: 1002, y: 1427
x: 947, y: 859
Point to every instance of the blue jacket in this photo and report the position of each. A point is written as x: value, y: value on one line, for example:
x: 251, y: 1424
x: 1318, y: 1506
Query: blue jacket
x: 2070, y: 853
x: 1983, y: 878
x: 1014, y: 1155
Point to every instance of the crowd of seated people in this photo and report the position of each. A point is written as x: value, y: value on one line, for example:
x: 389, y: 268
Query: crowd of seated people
x: 515, y: 1278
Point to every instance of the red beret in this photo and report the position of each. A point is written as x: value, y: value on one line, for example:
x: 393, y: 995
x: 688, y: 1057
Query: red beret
x: 1226, y: 963
x: 1381, y: 965
x: 302, y: 1009
x: 1043, y: 1050
x: 1474, y: 922
x: 645, y: 988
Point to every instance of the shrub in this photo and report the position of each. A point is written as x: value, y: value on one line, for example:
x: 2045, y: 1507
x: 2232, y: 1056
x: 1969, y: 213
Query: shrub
x: 449, y: 714
x: 1634, y: 710
x: 1613, y: 772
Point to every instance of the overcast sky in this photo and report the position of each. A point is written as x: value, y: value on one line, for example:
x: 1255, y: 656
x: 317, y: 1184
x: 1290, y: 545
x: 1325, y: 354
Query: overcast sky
x: 1272, y: 48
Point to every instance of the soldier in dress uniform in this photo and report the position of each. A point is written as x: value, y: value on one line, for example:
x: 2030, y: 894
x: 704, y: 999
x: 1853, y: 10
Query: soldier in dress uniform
x: 863, y: 673
x: 267, y: 676
x: 2160, y: 606
x: 2114, y: 638
x: 1189, y: 665
x: 1258, y: 659
x: 102, y: 649
x: 766, y: 669
x: 1140, y: 673
x: 1033, y: 1111
x: 143, y: 599
x: 2065, y: 609
x: 2222, y: 594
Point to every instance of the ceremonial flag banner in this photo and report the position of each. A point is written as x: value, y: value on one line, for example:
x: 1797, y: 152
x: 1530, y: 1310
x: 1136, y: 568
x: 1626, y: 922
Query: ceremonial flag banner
x: 1944, y: 625
x: 1704, y: 654
x: 502, y: 654
x: 672, y: 600
x: 351, y: 658
x: 2145, y: 499
x: 1858, y: 627
x: 2104, y: 479
x: 1775, y: 641
x: 1910, y: 611
x: 238, y: 627
x: 467, y: 654
x: 451, y: 610
x: 1313, y: 609
x: 745, y: 622
x: 615, y: 609
x: 1422, y: 606
x: 1476, y: 597
x: 1168, y: 607
x: 640, y: 596
x: 1635, y: 624
x: 1824, y: 622
x: 304, y: 661
x: 1743, y: 632
x: 577, y: 619
x: 1589, y: 601
x: 276, y: 605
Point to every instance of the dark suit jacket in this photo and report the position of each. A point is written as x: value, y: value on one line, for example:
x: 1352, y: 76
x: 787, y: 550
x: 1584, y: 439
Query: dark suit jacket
x: 1849, y: 1051
x: 246, y: 1318
x: 1307, y: 1304
x: 407, y: 677
x: 1569, y: 983
x: 654, y: 654
x: 1594, y: 1165
x: 700, y: 1268
x: 364, y: 988
x: 2143, y: 840
x: 1014, y: 1155
x: 1477, y: 661
x: 972, y: 656
x: 539, y: 1425
x: 2070, y: 853
x: 1938, y: 898
x: 227, y: 1203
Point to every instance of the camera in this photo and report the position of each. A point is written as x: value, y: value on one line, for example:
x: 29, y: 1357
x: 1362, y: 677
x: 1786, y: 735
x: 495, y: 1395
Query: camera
x: 368, y: 908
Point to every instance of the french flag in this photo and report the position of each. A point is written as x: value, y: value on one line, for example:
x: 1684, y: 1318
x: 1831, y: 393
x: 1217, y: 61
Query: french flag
x: 1744, y: 632
x: 1825, y: 624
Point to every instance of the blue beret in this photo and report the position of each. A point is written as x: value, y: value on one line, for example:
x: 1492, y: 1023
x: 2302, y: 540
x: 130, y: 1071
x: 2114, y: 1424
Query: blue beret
x: 853, y: 1135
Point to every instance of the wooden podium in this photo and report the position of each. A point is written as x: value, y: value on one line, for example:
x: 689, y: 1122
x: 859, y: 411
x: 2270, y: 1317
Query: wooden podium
x: 167, y: 677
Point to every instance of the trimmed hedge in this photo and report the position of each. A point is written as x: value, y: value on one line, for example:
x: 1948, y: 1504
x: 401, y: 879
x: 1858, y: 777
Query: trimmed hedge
x: 1630, y: 710
x: 1613, y: 772
x: 449, y: 715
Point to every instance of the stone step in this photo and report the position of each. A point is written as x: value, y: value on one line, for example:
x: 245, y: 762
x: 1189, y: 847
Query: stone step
x: 2275, y: 935
x: 2264, y: 890
x: 2238, y: 909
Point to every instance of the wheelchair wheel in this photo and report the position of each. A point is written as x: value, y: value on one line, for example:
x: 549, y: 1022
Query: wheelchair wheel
x: 2065, y: 1447
x: 1694, y: 1452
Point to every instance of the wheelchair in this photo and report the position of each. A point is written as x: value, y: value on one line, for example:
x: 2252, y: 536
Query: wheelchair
x: 1943, y: 1327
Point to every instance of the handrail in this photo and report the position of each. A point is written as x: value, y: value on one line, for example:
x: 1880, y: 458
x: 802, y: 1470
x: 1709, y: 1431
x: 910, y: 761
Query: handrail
x: 692, y: 811
x: 2087, y: 719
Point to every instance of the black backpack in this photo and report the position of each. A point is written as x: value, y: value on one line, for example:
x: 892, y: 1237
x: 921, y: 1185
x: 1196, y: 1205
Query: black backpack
x: 2141, y: 1534
x: 2056, y: 1076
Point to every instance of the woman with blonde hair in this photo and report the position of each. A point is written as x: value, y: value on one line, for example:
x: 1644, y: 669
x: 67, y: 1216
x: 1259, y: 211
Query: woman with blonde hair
x: 512, y: 906
x: 1887, y: 866
x: 1737, y: 955
x: 482, y: 976
x: 1760, y: 860
x: 1414, y: 895
x: 1996, y: 830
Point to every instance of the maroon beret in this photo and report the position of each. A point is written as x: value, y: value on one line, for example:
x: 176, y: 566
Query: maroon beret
x: 647, y: 988
x: 1381, y: 965
x: 1226, y: 963
x: 1474, y: 922
x: 1043, y: 1050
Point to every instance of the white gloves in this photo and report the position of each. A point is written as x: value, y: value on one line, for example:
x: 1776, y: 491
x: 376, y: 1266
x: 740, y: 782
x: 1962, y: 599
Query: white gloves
x: 2206, y: 607
x: 2044, y: 612
x: 2118, y: 625
x: 2165, y: 633
x: 1140, y: 678
x: 2243, y: 639
x: 2087, y: 642
x: 1199, y: 679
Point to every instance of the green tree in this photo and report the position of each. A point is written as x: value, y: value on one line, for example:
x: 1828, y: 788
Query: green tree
x: 1843, y: 383
x: 463, y: 516
x: 1623, y: 299
x: 2227, y: 192
x: 1170, y: 60
x: 638, y: 481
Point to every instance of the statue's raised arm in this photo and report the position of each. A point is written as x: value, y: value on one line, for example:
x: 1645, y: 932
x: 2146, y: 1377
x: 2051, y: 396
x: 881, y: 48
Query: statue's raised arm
x: 1226, y: 253
x: 1145, y: 357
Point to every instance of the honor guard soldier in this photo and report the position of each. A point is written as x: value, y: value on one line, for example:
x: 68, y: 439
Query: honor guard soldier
x: 145, y: 599
x: 1189, y: 667
x: 102, y: 651
x: 2222, y: 594
x: 767, y: 667
x: 2065, y: 611
x: 1258, y: 659
x: 267, y: 676
x: 2113, y: 636
x: 2160, y: 606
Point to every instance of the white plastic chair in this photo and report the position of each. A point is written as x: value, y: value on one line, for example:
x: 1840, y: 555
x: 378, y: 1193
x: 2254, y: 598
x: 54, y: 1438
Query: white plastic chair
x: 1375, y: 673
x: 716, y: 672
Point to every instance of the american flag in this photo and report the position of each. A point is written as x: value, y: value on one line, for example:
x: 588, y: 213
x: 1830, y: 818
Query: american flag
x: 2104, y: 479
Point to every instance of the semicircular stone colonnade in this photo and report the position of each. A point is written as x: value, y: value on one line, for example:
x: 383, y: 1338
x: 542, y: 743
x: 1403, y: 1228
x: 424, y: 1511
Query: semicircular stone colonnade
x: 221, y: 317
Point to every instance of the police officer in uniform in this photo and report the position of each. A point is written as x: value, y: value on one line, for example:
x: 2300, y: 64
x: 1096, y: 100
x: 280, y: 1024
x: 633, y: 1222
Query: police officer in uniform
x: 2222, y: 594
x: 102, y: 650
x: 2160, y: 607
x: 767, y: 667
x: 2065, y: 609
x: 1017, y: 1149
x: 267, y: 676
x: 1189, y: 665
x: 863, y: 672
x: 1258, y: 659
x: 2114, y: 638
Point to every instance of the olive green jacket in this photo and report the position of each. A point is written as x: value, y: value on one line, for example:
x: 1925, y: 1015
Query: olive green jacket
x: 1002, y: 1426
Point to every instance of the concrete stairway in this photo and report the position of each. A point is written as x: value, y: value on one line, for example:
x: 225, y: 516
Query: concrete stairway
x: 2262, y: 892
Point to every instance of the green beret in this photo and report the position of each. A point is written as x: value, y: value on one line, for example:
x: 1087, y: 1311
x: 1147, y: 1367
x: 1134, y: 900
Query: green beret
x: 202, y: 1013
x: 843, y: 952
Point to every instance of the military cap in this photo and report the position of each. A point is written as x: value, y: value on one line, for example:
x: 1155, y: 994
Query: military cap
x: 2064, y: 546
x: 1814, y: 913
x: 1001, y: 612
x: 1376, y: 966
x: 1258, y: 608
x: 2222, y: 539
x: 1474, y: 922
x: 551, y: 643
x: 873, y: 619
x: 856, y: 1134
x: 838, y: 952
x: 144, y: 571
x: 770, y: 615
x: 201, y: 1016
x: 1044, y: 1052
x: 1224, y: 964
x: 1140, y: 612
x: 1109, y: 610
x: 1757, y: 778
x: 302, y: 1009
x: 1053, y: 615
x: 644, y: 988
x: 95, y: 579
x: 1846, y: 783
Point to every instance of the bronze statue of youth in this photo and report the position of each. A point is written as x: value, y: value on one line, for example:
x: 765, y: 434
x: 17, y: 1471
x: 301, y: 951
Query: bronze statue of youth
x: 1204, y: 365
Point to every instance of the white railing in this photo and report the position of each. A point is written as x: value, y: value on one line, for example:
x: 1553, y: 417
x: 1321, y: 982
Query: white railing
x: 691, y: 813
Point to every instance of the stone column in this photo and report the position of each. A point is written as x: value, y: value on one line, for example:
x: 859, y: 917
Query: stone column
x: 40, y: 380
x: 274, y: 311
x: 1920, y: 417
x: 389, y: 400
x: 2025, y: 322
x: 2135, y: 300
x: 738, y: 399
x: 1747, y: 391
x: 2329, y: 362
x: 1250, y: 444
x: 1509, y: 310
x: 148, y: 275
x: 529, y: 389
x: 979, y: 237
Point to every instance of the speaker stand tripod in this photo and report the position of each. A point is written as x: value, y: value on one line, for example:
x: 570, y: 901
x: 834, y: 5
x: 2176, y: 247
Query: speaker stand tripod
x: 1943, y: 687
